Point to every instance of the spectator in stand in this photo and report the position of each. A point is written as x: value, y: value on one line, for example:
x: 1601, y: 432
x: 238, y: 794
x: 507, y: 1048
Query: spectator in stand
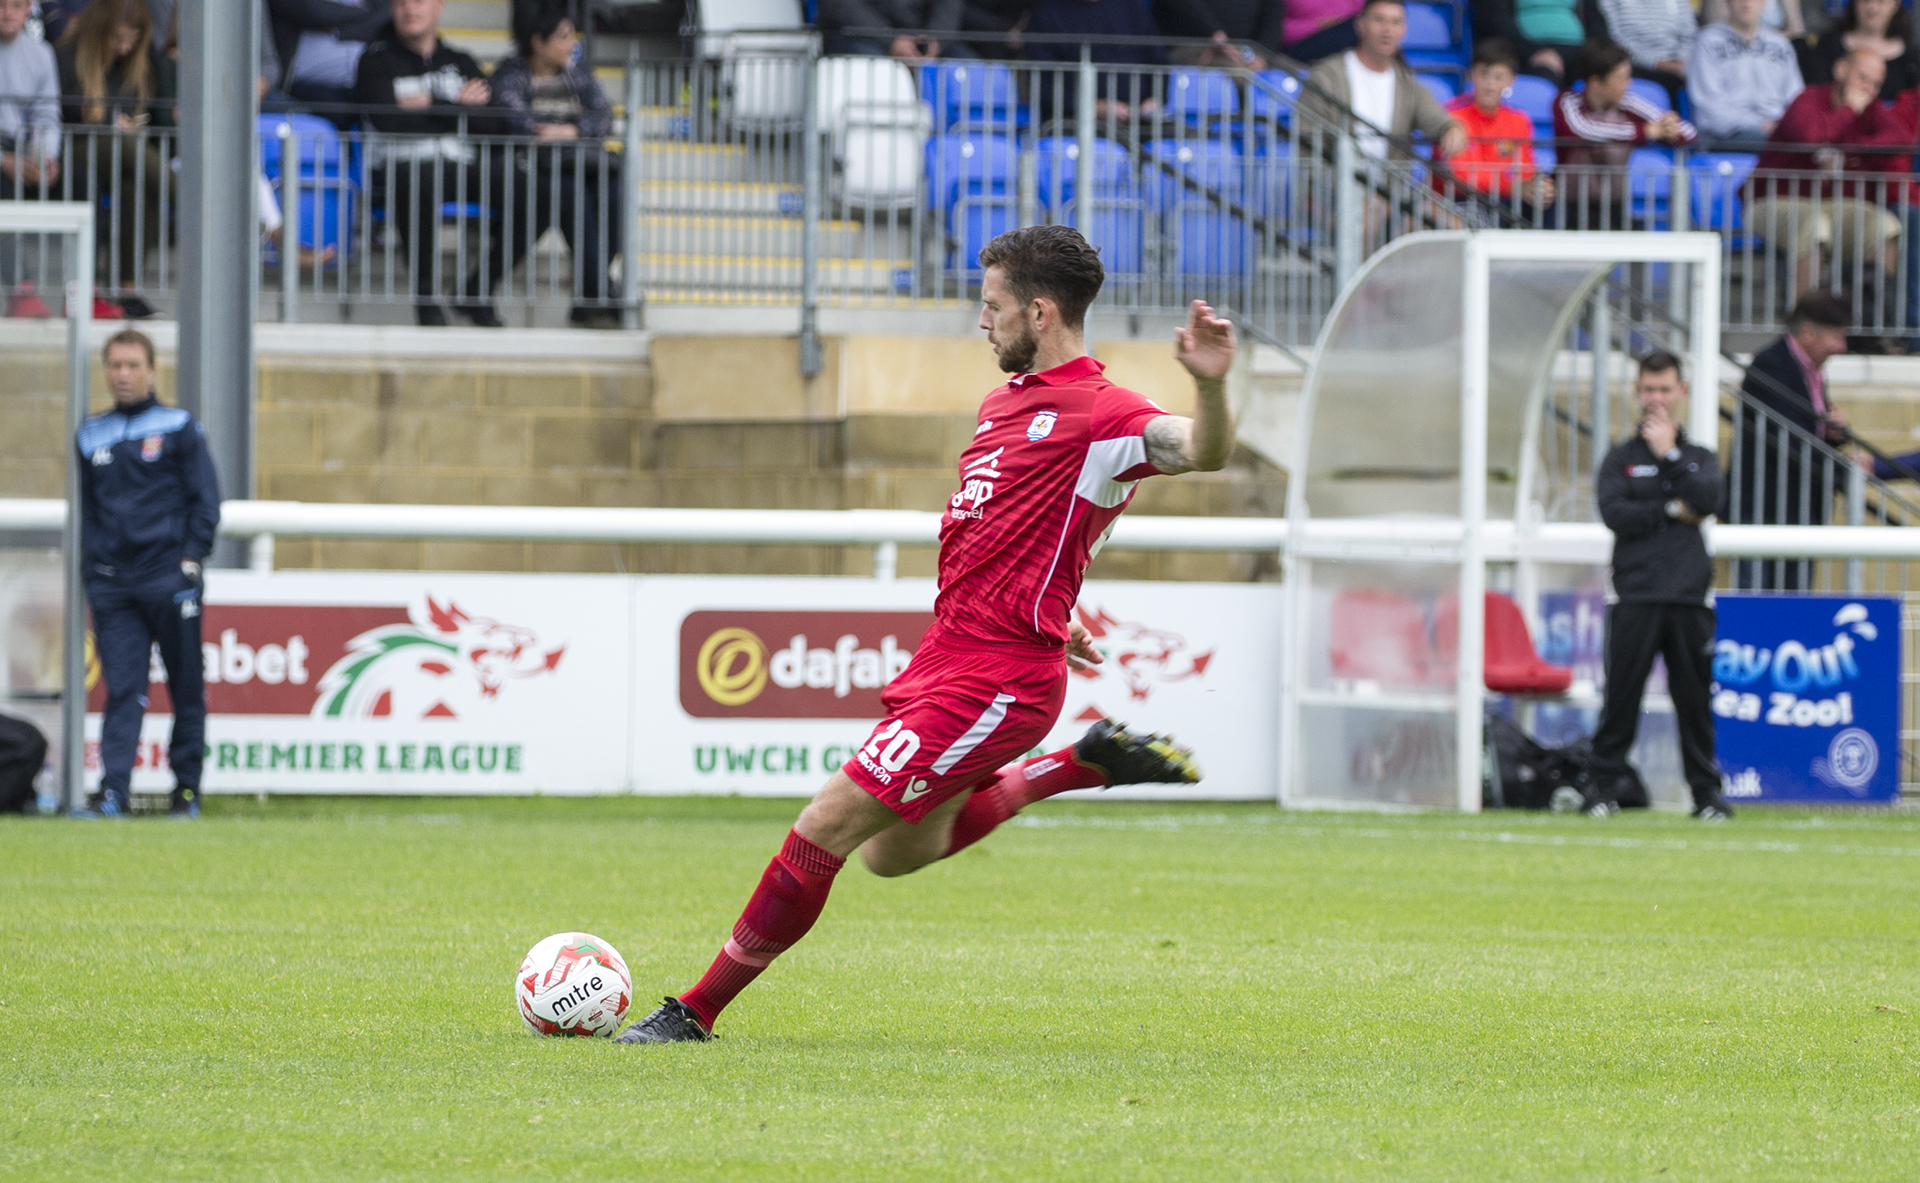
x: 1314, y: 30
x: 29, y: 142
x: 1545, y: 34
x: 438, y: 90
x: 927, y: 28
x: 548, y: 95
x: 1782, y: 16
x: 1880, y: 27
x: 1742, y: 76
x: 1120, y: 94
x: 1226, y: 21
x: 1781, y: 478
x: 1799, y: 214
x: 1610, y: 121
x: 1000, y: 23
x: 1374, y: 82
x: 1658, y: 35
x: 321, y: 42
x: 107, y: 80
x: 1498, y: 158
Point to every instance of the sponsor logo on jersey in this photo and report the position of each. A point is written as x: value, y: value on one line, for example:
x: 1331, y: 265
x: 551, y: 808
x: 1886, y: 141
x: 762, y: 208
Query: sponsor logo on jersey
x: 1042, y: 426
x: 984, y: 425
x: 793, y: 665
x: 102, y: 456
x: 1643, y: 470
x: 914, y: 791
x: 976, y: 487
x: 150, y: 448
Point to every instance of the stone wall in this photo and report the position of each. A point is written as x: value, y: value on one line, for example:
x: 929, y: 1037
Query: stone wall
x: 700, y: 422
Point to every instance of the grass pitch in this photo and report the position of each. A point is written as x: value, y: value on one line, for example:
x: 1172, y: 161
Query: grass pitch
x: 321, y: 990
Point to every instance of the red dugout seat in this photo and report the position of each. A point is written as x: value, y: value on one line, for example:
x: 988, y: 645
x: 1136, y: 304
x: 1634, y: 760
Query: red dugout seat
x: 1513, y: 665
x: 1380, y: 636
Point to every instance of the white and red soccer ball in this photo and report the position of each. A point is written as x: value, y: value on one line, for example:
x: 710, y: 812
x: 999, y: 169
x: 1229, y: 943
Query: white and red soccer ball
x: 573, y: 983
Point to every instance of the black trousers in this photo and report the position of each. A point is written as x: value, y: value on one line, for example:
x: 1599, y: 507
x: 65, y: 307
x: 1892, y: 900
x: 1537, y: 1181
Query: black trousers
x: 1636, y: 634
x: 128, y: 620
x: 580, y: 192
x: 421, y: 188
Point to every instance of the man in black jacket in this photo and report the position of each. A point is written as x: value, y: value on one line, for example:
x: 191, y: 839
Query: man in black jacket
x: 1654, y: 491
x: 1782, y: 475
x: 442, y: 99
x: 149, y: 502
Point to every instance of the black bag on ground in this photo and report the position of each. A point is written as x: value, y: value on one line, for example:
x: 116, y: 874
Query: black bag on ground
x: 23, y: 750
x: 1521, y: 774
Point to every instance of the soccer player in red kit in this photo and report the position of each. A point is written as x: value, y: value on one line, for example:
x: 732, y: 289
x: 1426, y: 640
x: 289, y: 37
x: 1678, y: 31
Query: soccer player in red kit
x: 1052, y: 464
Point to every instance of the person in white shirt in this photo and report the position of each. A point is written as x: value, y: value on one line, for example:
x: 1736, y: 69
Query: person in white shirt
x: 1374, y: 82
x: 1742, y: 76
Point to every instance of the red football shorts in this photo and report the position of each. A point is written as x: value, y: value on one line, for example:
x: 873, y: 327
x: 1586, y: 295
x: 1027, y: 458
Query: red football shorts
x: 960, y: 712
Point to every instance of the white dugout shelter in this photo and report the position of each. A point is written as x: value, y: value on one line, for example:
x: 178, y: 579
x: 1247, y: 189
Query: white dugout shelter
x: 1415, y: 468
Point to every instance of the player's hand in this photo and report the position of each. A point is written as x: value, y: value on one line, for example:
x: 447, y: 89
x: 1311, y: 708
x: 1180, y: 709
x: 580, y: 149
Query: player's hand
x: 190, y: 569
x: 1205, y: 346
x: 1081, y: 655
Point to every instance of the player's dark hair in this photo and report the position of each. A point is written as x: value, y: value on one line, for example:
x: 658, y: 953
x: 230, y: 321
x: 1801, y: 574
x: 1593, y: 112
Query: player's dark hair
x: 1051, y: 261
x: 1495, y: 52
x: 537, y: 18
x: 128, y: 336
x: 1661, y: 362
x: 1820, y: 308
x: 1601, y: 58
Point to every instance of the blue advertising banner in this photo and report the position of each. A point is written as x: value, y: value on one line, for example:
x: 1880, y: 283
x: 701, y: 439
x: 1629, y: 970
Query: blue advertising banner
x: 1807, y: 697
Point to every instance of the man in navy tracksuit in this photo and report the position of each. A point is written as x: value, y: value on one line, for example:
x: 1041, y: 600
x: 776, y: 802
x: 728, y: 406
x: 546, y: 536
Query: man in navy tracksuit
x: 149, y: 501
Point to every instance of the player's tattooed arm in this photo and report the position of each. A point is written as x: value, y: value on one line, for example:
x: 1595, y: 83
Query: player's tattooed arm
x: 1175, y: 443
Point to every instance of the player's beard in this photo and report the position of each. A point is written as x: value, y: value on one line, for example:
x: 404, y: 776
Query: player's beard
x: 1016, y: 356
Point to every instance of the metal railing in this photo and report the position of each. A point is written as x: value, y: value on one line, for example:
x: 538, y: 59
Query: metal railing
x: 782, y: 177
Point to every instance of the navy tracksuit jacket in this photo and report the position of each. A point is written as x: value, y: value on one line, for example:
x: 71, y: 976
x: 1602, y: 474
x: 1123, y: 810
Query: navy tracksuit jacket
x: 148, y: 500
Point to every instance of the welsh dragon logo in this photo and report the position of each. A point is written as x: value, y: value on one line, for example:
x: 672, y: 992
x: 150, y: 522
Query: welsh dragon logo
x: 443, y: 664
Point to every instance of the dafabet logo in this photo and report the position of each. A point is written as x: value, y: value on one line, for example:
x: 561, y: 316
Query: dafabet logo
x: 793, y: 665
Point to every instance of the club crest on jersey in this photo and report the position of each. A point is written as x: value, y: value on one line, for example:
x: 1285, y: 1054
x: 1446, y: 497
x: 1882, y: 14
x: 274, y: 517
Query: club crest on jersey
x: 1042, y: 426
x: 150, y: 448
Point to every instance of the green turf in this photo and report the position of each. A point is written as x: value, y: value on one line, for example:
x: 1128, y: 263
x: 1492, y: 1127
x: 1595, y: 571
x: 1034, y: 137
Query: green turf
x: 321, y: 990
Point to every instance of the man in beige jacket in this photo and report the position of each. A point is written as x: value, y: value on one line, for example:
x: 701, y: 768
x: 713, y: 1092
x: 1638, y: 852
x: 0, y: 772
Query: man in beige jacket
x: 1375, y: 83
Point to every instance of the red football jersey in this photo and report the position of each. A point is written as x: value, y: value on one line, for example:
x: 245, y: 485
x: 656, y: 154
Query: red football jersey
x: 1053, y: 462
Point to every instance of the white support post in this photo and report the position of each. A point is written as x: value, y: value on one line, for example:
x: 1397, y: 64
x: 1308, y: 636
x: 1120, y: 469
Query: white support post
x: 886, y: 561
x: 1470, y: 683
x: 1703, y: 410
x: 260, y: 554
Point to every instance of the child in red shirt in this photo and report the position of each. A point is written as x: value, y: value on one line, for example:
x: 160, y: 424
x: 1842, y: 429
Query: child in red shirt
x: 1498, y: 158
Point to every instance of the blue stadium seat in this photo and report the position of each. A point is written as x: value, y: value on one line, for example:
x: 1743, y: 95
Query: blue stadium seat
x: 1206, y: 239
x: 1441, y: 86
x: 975, y: 95
x: 1119, y: 212
x: 1535, y: 97
x: 327, y: 198
x: 972, y: 179
x: 1201, y: 96
x: 1275, y: 99
x: 1650, y: 185
x: 1715, y: 181
x: 1432, y: 44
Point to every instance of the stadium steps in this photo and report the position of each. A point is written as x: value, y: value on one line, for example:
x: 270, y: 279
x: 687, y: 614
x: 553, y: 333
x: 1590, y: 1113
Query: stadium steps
x: 756, y: 237
x: 740, y: 198
x: 766, y: 273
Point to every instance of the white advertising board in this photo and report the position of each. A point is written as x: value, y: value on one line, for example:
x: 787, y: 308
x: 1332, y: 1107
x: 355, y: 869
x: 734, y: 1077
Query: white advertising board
x: 423, y: 683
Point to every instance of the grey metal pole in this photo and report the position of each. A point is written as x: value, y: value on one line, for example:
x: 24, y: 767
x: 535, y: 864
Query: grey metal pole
x: 630, y: 199
x: 1349, y: 210
x: 1856, y: 516
x: 73, y: 645
x: 290, y: 224
x: 215, y: 357
x: 1083, y: 126
x: 811, y: 361
x: 1602, y: 414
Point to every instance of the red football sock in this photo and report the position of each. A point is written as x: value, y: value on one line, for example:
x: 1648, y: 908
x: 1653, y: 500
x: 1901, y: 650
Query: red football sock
x: 1014, y: 788
x: 791, y: 893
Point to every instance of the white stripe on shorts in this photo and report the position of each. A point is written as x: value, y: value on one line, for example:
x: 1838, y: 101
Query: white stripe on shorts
x: 975, y: 736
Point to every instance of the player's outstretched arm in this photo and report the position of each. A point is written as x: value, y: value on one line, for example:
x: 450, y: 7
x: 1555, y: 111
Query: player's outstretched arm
x: 1176, y: 443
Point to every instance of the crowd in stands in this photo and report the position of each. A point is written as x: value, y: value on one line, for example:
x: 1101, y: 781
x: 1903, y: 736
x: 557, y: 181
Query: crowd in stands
x: 110, y: 68
x: 1812, y: 87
